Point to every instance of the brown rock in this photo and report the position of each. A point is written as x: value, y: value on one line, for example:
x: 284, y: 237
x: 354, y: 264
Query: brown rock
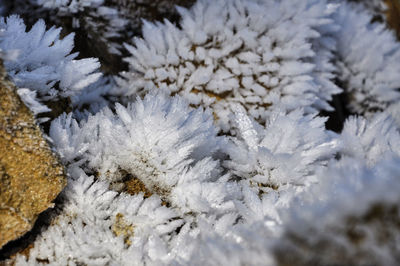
x: 31, y: 176
x: 393, y: 15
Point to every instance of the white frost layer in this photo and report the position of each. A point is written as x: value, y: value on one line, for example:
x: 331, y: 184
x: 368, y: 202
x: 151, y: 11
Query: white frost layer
x: 70, y: 6
x: 368, y: 60
x: 42, y: 62
x: 160, y: 141
x: 256, y: 53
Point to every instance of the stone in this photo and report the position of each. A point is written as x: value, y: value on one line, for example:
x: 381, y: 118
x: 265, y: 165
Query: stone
x: 31, y: 175
x: 393, y: 15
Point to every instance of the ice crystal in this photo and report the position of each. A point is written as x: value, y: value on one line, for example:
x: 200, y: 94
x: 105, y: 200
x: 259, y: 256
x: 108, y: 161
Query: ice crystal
x: 368, y: 56
x: 359, y: 233
x: 229, y: 52
x: 211, y: 149
x: 278, y: 160
x: 83, y: 232
x: 162, y: 142
x: 369, y: 140
x: 394, y: 110
x: 69, y: 6
x: 44, y: 63
x: 104, y: 25
x: 377, y: 7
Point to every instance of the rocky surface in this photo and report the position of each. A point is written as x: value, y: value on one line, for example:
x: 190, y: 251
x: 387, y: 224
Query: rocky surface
x: 393, y: 15
x: 31, y: 176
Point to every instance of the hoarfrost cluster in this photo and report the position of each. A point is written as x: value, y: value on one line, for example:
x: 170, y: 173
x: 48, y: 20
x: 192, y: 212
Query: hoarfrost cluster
x: 204, y: 141
x: 228, y: 52
x: 368, y: 61
x: 42, y: 66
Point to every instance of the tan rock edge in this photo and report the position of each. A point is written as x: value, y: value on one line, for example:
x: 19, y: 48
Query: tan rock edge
x: 31, y: 176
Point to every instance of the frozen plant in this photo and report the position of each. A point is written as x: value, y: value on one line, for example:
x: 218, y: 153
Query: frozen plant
x: 97, y: 226
x: 349, y: 218
x: 138, y: 10
x: 369, y: 140
x: 376, y: 7
x: 255, y: 53
x: 94, y: 97
x: 221, y: 243
x: 103, y: 25
x: 394, y: 110
x: 368, y: 60
x: 44, y: 63
x: 275, y: 162
x: 68, y: 6
x: 160, y: 141
x: 211, y: 149
x: 168, y: 147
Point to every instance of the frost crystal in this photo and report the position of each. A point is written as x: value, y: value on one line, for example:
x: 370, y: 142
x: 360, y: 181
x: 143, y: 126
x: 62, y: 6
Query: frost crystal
x: 394, y: 110
x: 160, y: 141
x: 165, y: 144
x: 368, y: 60
x: 44, y: 64
x: 284, y: 151
x: 69, y: 6
x: 249, y: 244
x: 370, y: 140
x: 211, y: 148
x: 229, y: 52
x: 376, y: 7
x: 278, y: 160
x: 85, y: 232
x: 356, y: 209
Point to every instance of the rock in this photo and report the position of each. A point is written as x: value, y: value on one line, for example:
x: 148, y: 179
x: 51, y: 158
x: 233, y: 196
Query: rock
x: 393, y: 15
x: 31, y: 176
x: 91, y: 37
